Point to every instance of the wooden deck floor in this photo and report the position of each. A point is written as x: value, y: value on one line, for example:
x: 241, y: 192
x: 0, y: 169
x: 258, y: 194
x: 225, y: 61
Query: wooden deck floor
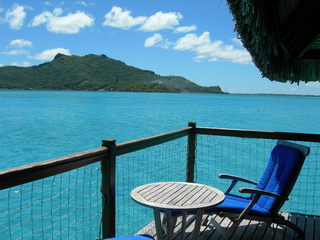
x: 249, y: 229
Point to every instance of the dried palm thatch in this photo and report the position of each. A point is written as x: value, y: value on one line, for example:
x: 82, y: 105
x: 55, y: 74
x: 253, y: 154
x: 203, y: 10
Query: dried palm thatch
x: 282, y: 36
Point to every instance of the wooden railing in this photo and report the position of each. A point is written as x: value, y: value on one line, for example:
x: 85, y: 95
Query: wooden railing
x: 32, y: 172
x: 110, y: 150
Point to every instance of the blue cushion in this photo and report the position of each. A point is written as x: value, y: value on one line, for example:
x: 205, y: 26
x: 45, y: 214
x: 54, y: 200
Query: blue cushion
x: 135, y: 237
x: 277, y: 177
x: 233, y: 203
x: 280, y: 171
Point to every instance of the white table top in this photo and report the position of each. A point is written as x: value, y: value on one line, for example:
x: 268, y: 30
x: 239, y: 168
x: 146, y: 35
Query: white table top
x: 177, y: 196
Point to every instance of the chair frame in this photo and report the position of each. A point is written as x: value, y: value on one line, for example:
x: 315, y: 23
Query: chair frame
x: 273, y: 217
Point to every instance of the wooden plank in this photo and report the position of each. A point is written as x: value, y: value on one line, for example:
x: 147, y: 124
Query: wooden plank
x: 268, y: 233
x: 170, y: 194
x: 147, y: 190
x: 301, y: 221
x: 280, y: 230
x: 194, y: 197
x: 317, y: 227
x: 205, y: 230
x: 260, y: 232
x: 204, y: 197
x: 259, y: 134
x: 178, y: 233
x: 180, y: 197
x: 250, y: 230
x: 148, y: 229
x: 190, y: 228
x: 223, y: 224
x: 183, y: 198
x: 241, y: 229
x: 159, y: 193
x: 289, y: 233
x: 309, y: 229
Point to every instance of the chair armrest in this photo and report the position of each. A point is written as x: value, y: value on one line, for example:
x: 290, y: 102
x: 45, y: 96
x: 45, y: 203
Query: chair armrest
x: 259, y: 192
x: 232, y: 177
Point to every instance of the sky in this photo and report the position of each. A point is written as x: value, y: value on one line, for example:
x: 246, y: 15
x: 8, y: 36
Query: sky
x: 190, y: 38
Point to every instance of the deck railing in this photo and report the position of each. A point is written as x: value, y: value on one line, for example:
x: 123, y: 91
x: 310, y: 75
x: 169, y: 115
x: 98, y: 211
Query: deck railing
x: 87, y: 195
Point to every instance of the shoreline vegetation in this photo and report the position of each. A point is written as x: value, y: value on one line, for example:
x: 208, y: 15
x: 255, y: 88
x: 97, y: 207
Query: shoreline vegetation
x: 224, y: 93
x: 94, y: 73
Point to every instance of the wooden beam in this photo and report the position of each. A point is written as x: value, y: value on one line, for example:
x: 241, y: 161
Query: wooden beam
x: 108, y: 190
x: 139, y: 144
x: 259, y: 134
x: 32, y: 172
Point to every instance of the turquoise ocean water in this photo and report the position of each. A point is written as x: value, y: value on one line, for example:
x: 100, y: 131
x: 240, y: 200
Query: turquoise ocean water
x: 40, y: 125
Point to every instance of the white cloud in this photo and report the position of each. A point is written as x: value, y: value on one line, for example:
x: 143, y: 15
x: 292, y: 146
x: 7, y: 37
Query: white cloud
x: 192, y: 41
x: 15, y: 52
x: 185, y: 29
x: 156, y: 40
x: 123, y: 19
x: 20, y: 43
x: 212, y: 50
x: 49, y: 54
x: 23, y: 64
x: 45, y: 17
x: 160, y: 21
x: 119, y: 18
x: 85, y: 4
x: 69, y: 24
x: 15, y: 17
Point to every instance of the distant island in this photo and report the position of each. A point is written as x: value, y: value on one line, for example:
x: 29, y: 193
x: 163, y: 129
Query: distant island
x: 94, y: 73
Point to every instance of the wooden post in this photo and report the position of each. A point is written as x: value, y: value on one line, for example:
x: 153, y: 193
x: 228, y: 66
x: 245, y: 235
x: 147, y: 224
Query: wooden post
x: 108, y: 169
x: 192, y: 139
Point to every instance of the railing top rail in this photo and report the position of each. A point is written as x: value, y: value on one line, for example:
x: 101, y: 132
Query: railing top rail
x: 139, y: 144
x: 259, y: 134
x: 35, y: 171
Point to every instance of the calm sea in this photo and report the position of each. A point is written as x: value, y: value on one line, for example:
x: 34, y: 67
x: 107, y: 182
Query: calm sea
x: 40, y: 125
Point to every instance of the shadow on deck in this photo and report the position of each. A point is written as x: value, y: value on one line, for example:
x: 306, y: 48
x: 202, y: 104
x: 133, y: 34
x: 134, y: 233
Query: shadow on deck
x: 248, y: 229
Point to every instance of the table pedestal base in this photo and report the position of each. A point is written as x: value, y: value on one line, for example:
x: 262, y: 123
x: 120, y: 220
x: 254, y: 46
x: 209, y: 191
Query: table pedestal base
x: 171, y: 223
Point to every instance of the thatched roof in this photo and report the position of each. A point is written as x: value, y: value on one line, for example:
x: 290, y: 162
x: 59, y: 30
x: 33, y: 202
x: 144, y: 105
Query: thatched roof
x: 282, y: 36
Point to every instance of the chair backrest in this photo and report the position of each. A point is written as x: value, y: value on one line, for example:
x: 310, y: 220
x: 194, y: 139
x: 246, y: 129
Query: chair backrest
x: 281, y: 173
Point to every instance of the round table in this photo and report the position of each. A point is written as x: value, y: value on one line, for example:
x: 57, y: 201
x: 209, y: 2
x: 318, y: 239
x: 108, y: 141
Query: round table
x: 177, y: 198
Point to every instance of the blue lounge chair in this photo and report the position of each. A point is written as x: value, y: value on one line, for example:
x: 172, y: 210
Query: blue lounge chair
x: 270, y: 192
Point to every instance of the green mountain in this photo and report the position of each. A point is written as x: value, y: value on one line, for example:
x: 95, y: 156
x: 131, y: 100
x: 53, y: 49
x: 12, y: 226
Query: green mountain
x: 93, y: 72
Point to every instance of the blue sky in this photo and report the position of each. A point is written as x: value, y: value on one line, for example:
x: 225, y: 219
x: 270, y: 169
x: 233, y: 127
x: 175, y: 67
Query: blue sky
x: 189, y: 38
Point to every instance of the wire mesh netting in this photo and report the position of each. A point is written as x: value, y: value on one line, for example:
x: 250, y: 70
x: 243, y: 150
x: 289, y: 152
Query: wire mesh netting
x: 164, y: 162
x: 68, y: 205
x: 246, y: 157
x: 64, y: 206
